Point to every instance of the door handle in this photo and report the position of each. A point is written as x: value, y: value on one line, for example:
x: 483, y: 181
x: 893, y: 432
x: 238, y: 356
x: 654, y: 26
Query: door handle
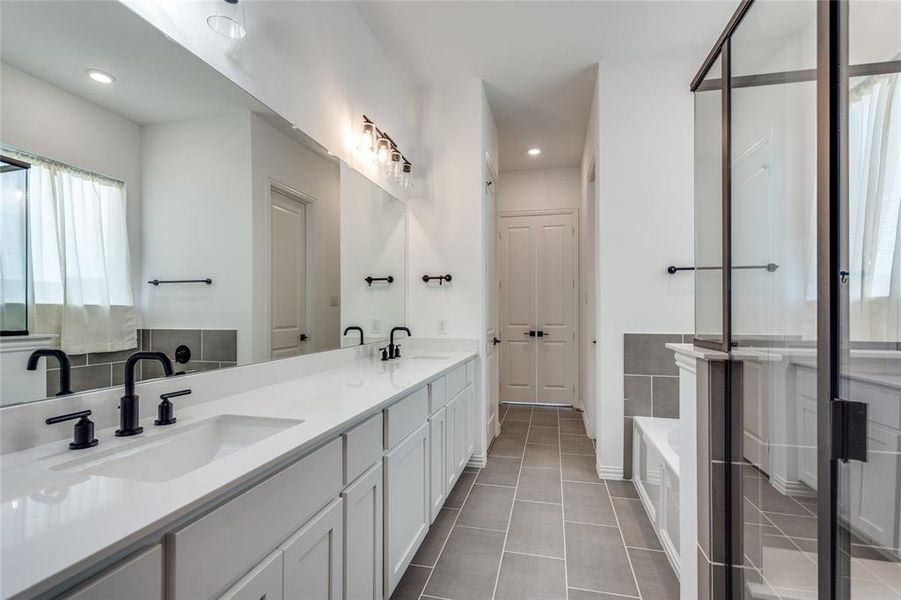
x: 495, y: 341
x: 529, y: 333
x: 542, y: 334
x: 304, y: 337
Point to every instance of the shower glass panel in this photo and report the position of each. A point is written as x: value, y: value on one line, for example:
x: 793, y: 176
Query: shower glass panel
x: 773, y: 206
x: 708, y: 209
x: 869, y: 516
x: 14, y: 244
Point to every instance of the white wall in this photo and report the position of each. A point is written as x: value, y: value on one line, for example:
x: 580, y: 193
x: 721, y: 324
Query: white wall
x: 373, y: 243
x: 45, y: 120
x: 279, y: 159
x: 539, y: 189
x: 645, y: 216
x: 315, y: 63
x: 197, y: 211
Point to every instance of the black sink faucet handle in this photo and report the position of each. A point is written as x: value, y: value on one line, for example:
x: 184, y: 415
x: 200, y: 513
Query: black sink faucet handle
x: 83, y: 436
x: 165, y: 412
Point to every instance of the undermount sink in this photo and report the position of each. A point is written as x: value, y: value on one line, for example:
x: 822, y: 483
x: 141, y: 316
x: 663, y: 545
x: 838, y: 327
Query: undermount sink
x: 165, y: 456
x: 429, y: 357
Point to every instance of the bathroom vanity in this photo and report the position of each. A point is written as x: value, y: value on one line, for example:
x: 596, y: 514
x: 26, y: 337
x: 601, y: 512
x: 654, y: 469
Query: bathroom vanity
x: 324, y: 483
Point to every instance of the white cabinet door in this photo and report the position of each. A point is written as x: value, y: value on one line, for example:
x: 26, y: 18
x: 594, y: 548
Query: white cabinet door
x: 363, y: 537
x: 874, y: 486
x: 136, y: 578
x: 453, y: 446
x: 314, y: 557
x: 263, y: 583
x: 438, y: 461
x: 469, y: 425
x: 406, y: 503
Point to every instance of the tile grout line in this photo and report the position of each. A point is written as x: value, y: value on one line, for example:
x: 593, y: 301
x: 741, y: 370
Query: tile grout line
x: 500, y: 564
x: 623, y: 538
x: 562, y: 511
x: 447, y: 539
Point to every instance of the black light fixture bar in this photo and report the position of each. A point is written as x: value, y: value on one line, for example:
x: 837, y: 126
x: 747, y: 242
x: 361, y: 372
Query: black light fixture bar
x: 384, y: 134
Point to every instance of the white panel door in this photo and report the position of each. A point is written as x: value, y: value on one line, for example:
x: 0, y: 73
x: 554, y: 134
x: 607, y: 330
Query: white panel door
x: 517, y: 294
x: 363, y: 537
x: 314, y: 557
x: 557, y: 355
x: 407, y: 514
x: 287, y: 275
x: 452, y: 435
x: 539, y: 293
x: 492, y: 332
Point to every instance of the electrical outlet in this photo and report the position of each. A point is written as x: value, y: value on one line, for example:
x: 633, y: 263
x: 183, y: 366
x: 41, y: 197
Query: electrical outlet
x: 376, y: 326
x: 442, y: 326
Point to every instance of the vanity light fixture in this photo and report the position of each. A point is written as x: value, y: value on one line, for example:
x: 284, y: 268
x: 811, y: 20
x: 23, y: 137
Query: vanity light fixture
x: 378, y: 146
x: 534, y: 151
x: 100, y: 76
x: 230, y: 22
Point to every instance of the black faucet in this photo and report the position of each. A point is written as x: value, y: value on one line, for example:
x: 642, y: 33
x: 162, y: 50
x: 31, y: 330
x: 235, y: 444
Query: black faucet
x: 355, y: 328
x: 129, y: 414
x: 394, y: 350
x: 64, y: 367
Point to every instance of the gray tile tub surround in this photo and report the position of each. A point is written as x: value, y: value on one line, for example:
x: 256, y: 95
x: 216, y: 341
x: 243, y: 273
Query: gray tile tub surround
x: 650, y: 382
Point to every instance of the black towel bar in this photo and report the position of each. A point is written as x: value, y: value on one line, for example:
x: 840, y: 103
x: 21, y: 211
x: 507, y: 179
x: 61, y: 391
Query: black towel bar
x: 370, y: 279
x: 207, y: 281
x: 441, y: 278
x: 770, y: 267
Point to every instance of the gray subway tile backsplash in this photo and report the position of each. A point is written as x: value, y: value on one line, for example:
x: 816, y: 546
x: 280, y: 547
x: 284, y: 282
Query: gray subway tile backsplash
x: 219, y: 345
x: 84, y: 378
x: 167, y: 340
x: 666, y: 397
x: 638, y: 390
x: 646, y: 353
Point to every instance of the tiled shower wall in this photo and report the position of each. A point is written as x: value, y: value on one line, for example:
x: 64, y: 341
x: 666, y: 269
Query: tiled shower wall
x: 651, y: 382
x: 210, y: 349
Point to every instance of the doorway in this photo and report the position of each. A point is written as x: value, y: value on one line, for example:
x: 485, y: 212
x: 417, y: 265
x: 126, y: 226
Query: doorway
x: 288, y: 273
x: 538, y: 305
x: 492, y: 333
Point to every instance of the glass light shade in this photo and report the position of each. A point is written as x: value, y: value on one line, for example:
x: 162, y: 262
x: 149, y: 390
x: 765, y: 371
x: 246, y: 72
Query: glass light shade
x: 406, y: 178
x: 228, y: 20
x: 396, y: 168
x: 383, y: 151
x: 367, y: 137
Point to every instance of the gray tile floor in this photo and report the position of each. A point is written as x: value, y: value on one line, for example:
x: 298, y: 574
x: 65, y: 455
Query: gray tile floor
x: 537, y: 524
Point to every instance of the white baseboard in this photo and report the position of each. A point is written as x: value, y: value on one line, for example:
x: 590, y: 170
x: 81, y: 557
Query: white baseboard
x: 609, y: 472
x: 477, y: 461
x: 791, y: 488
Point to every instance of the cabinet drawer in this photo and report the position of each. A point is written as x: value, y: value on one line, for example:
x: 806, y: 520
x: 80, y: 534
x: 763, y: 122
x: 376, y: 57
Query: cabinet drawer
x: 437, y: 394
x: 224, y: 544
x: 137, y: 578
x: 456, y: 381
x: 405, y: 415
x: 264, y: 582
x: 362, y: 447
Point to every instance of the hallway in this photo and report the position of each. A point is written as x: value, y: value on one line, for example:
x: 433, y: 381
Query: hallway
x: 538, y: 504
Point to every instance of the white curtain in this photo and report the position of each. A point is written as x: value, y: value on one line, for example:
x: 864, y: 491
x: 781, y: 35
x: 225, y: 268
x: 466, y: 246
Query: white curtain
x: 874, y: 227
x: 80, y: 270
x: 874, y: 213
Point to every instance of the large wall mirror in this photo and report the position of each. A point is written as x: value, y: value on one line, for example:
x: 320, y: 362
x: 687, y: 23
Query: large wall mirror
x: 150, y: 203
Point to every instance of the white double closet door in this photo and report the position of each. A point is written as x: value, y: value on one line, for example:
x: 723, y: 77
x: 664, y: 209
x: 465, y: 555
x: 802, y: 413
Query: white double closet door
x: 538, y: 293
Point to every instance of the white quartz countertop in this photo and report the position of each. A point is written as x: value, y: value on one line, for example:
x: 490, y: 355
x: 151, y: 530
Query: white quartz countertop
x: 55, y: 523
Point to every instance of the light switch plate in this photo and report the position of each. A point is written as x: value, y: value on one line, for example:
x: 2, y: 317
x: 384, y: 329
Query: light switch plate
x: 376, y: 326
x: 442, y: 326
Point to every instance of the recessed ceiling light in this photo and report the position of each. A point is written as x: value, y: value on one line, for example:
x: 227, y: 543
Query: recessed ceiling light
x: 534, y: 151
x: 100, y: 76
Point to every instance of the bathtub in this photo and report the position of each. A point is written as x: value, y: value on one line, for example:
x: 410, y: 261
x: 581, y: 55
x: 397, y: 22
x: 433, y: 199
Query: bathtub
x: 655, y: 472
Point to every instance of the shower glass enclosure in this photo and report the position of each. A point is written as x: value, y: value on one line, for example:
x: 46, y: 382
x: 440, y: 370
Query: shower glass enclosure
x: 798, y: 282
x: 14, y: 244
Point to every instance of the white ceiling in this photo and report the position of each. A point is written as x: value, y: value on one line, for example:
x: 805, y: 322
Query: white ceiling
x: 537, y: 58
x: 157, y: 80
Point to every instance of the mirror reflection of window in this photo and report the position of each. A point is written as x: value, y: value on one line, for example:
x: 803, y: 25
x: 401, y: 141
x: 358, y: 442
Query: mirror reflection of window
x: 80, y: 271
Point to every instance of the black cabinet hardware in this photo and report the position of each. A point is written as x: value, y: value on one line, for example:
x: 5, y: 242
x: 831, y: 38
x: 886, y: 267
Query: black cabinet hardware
x: 441, y: 278
x: 83, y: 436
x: 165, y: 412
x: 369, y: 280
x: 207, y: 281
